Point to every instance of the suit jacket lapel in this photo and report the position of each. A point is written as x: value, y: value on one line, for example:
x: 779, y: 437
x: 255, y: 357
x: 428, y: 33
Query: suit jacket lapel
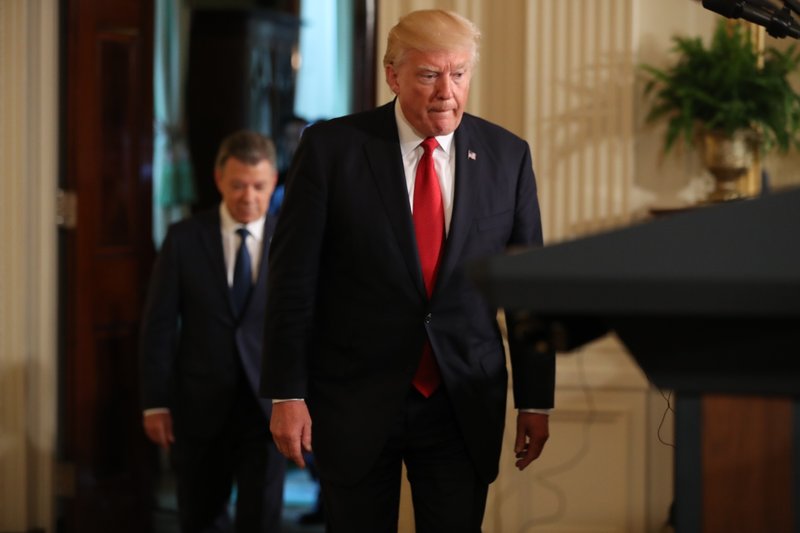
x: 467, y: 186
x: 212, y: 242
x: 261, y: 279
x: 385, y: 161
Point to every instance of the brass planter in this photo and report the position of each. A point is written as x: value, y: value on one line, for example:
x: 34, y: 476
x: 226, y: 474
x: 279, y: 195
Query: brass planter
x: 728, y: 158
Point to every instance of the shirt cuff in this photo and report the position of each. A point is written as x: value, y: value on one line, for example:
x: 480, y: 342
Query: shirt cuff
x: 275, y: 400
x: 538, y: 411
x: 156, y: 411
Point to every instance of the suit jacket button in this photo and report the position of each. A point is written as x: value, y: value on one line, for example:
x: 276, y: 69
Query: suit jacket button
x: 428, y: 318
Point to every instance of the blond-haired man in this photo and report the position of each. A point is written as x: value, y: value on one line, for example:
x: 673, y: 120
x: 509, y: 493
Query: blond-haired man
x: 378, y: 349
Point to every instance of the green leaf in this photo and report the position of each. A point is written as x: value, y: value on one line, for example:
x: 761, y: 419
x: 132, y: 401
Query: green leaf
x: 723, y: 87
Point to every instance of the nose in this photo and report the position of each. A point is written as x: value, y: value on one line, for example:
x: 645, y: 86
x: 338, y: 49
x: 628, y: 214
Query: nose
x: 444, y: 87
x: 248, y: 193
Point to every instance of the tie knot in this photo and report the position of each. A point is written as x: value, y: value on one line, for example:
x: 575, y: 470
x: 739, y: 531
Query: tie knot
x: 243, y: 233
x: 429, y: 144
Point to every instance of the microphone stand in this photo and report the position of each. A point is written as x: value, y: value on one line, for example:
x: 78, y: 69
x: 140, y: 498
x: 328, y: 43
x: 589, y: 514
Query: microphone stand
x: 783, y: 17
x: 779, y: 22
x: 794, y: 5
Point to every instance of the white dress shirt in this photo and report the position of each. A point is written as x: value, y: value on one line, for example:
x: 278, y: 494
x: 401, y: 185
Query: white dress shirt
x: 444, y: 160
x: 231, y: 240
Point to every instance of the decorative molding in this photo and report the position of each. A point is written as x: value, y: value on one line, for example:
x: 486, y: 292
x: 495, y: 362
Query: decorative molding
x: 591, y: 475
x: 604, y: 364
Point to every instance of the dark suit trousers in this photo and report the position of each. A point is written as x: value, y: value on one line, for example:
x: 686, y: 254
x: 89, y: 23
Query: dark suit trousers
x: 446, y: 492
x: 242, y: 452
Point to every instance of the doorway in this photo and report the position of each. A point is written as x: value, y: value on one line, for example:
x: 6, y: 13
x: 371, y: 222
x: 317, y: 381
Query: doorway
x: 258, y: 101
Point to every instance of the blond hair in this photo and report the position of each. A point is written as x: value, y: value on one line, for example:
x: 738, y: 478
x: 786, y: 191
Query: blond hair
x: 431, y: 30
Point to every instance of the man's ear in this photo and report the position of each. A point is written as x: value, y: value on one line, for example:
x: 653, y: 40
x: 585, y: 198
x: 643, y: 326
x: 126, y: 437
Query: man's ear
x: 274, y: 180
x: 218, y: 178
x: 391, y: 78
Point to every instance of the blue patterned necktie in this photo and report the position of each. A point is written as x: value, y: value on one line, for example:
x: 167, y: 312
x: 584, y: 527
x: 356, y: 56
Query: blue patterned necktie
x: 242, y: 273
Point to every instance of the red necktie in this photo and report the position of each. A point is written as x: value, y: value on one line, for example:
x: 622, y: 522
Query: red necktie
x: 428, y: 215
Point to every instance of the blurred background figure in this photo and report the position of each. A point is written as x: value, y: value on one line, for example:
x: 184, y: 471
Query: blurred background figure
x: 201, y: 350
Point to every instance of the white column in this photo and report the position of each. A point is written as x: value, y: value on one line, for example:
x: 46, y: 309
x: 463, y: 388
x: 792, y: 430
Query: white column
x: 28, y: 166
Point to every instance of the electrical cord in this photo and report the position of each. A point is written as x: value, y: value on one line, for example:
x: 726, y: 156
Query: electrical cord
x: 545, y: 476
x: 669, y: 409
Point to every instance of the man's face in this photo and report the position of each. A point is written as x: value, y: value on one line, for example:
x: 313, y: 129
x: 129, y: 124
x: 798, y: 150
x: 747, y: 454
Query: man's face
x: 246, y: 189
x: 432, y: 89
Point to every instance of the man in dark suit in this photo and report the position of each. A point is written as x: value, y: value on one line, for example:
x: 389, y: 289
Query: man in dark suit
x: 201, y: 345
x: 373, y: 332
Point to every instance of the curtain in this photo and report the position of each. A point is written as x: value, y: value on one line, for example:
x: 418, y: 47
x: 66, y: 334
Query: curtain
x: 324, y: 82
x: 173, y: 186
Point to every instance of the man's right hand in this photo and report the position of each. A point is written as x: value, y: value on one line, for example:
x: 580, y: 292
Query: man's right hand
x: 158, y: 427
x: 290, y: 425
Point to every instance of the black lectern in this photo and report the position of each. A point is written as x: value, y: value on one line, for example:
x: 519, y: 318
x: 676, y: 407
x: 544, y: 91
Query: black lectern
x: 708, y: 303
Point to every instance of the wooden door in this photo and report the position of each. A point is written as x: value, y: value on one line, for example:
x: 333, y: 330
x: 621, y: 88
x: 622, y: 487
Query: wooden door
x: 105, y: 261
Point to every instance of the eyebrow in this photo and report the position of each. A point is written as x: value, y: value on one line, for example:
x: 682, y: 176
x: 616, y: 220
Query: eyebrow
x: 462, y: 66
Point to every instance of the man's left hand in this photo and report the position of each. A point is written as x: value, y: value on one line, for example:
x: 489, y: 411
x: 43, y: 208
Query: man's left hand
x: 532, y: 432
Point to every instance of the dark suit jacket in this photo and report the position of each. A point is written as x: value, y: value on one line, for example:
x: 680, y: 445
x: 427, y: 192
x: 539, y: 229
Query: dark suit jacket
x: 347, y: 311
x: 191, y: 341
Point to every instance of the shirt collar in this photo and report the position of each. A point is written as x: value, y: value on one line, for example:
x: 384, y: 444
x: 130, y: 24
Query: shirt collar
x: 229, y: 225
x: 410, y: 139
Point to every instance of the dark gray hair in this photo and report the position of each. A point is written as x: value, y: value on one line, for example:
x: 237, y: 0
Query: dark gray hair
x: 247, y: 146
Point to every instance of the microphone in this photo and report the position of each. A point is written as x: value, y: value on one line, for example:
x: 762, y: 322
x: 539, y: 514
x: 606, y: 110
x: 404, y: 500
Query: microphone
x: 794, y: 5
x: 777, y: 25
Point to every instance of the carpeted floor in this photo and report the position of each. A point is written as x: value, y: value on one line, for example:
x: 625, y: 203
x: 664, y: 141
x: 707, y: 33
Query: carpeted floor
x: 300, y: 493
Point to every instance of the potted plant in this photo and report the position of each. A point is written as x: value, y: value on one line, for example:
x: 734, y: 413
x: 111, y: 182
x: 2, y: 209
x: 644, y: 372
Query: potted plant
x: 726, y: 101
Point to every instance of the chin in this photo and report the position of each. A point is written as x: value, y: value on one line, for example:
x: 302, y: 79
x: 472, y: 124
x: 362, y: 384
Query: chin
x: 244, y: 219
x: 443, y: 130
x: 444, y: 127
